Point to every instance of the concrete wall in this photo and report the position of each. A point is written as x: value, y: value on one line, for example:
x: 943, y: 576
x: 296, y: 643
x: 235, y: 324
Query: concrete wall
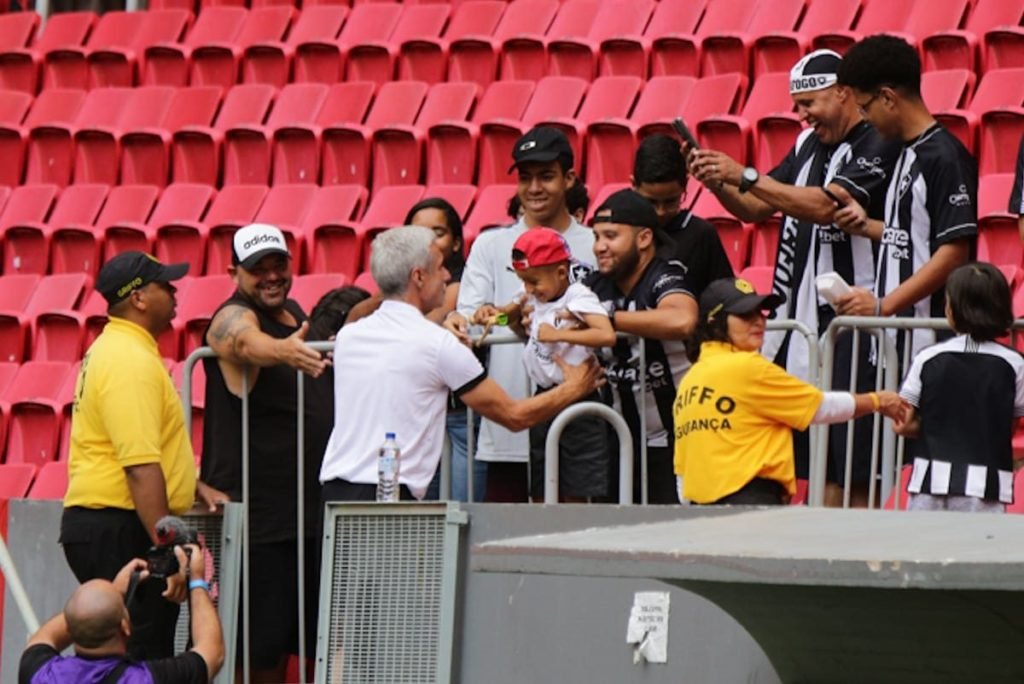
x: 513, y: 629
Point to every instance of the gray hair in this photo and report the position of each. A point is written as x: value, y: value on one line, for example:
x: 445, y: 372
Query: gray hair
x: 396, y: 252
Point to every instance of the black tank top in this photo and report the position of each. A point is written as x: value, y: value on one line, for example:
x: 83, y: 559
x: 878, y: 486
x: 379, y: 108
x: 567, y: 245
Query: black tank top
x: 272, y: 438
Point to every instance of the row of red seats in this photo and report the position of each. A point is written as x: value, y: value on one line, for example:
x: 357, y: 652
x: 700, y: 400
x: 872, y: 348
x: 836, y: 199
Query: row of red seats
x: 24, y: 480
x: 481, y: 39
x: 351, y: 132
x: 55, y: 318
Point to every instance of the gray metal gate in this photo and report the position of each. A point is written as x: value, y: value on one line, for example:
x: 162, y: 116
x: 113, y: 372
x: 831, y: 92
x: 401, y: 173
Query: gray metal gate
x: 387, y: 593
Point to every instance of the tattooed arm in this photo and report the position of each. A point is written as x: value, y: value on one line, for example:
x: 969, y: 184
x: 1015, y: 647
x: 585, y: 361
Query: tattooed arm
x: 236, y: 337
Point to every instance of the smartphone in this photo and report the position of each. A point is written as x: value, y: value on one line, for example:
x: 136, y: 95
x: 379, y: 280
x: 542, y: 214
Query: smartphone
x: 832, y: 196
x: 685, y: 133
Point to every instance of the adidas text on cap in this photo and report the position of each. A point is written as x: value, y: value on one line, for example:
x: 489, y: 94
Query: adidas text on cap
x: 256, y: 240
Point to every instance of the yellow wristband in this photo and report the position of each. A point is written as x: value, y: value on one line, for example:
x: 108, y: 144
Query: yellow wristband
x: 876, y: 403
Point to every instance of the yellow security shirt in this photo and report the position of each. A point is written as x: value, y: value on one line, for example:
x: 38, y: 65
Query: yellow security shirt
x: 126, y: 413
x: 734, y: 412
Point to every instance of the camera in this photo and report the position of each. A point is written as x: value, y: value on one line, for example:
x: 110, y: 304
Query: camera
x: 171, y: 531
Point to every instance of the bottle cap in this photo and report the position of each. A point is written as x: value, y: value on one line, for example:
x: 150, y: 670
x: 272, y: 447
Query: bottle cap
x: 501, y: 319
x: 389, y: 435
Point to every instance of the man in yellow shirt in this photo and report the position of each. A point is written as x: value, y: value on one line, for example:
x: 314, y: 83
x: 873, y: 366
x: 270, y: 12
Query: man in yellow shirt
x: 130, y: 459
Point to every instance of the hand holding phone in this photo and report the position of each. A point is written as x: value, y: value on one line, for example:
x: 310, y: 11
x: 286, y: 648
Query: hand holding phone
x: 684, y: 132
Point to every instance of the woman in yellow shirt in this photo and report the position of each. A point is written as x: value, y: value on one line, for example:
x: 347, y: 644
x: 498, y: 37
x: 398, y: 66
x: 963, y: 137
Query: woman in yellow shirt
x: 735, y: 410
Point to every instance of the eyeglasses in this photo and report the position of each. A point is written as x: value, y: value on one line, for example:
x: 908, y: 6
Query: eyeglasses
x: 863, y: 108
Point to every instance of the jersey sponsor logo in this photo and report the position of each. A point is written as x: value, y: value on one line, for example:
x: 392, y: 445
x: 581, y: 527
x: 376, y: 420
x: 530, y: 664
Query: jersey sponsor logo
x: 897, y: 242
x: 665, y: 281
x: 803, y: 83
x: 961, y: 198
x: 872, y: 166
x: 828, y: 235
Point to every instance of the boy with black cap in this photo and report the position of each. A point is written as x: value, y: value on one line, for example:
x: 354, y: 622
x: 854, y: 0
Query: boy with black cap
x: 130, y: 461
x: 543, y: 160
x: 567, y: 321
x: 648, y: 297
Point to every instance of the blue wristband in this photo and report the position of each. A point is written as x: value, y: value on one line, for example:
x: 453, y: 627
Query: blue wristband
x: 199, y: 584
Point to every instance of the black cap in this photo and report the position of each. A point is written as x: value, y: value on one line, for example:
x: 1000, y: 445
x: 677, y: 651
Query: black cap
x: 128, y: 271
x: 626, y: 206
x: 735, y: 296
x: 542, y: 144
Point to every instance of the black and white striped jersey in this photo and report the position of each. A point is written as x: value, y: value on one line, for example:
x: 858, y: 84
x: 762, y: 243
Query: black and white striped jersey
x: 968, y: 396
x: 932, y: 200
x: 862, y: 164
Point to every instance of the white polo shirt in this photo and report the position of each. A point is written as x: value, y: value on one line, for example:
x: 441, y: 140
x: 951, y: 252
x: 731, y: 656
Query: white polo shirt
x: 392, y: 373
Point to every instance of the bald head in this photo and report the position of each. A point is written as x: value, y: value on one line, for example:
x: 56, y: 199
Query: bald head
x: 94, y: 613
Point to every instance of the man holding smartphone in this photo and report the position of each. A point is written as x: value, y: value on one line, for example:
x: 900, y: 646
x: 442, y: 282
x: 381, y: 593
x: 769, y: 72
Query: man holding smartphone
x: 839, y: 158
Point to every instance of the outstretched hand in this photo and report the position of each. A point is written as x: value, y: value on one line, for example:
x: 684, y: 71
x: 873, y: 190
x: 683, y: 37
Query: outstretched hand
x: 294, y: 352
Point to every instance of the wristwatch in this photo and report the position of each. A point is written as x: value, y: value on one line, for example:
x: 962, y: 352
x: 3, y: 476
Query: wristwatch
x: 749, y: 177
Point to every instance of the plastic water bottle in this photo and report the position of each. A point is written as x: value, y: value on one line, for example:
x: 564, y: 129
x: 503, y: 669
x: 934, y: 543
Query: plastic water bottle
x: 387, y: 469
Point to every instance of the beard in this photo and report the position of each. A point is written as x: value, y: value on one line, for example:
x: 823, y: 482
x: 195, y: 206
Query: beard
x: 625, y: 264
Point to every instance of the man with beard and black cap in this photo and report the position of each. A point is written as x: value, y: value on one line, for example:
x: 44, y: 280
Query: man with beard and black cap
x: 543, y: 161
x: 648, y: 297
x: 837, y: 160
x: 259, y: 331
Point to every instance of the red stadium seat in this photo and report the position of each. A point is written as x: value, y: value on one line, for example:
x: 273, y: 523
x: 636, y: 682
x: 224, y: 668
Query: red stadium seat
x: 97, y: 146
x: 603, y: 193
x: 996, y: 109
x: 178, y: 202
x: 734, y: 134
x: 35, y: 414
x: 426, y: 59
x: 387, y: 209
x: 679, y: 54
x: 398, y: 150
x: 235, y: 206
x: 998, y: 235
x: 15, y: 479
x: 247, y: 146
x: 330, y: 235
x: 308, y: 289
x: 218, y: 63
x: 577, y: 55
x: 170, y: 63
x: 185, y: 239
x: 59, y: 331
x: 196, y: 308
x: 609, y: 97
x: 28, y: 243
x: 29, y: 205
x: 20, y: 66
x: 296, y: 147
x: 77, y: 248
x: 555, y: 97
x: 14, y: 107
x: 629, y: 53
x: 1002, y: 46
x: 934, y: 16
x: 490, y: 210
x: 270, y: 62
x: 764, y: 242
x: 365, y: 281
x: 611, y: 143
x: 54, y: 110
x: 67, y: 67
x: 18, y: 328
x: 376, y: 60
x: 323, y: 61
x: 525, y: 57
x: 476, y: 58
x: 729, y: 51
x: 195, y: 155
x: 900, y: 491
x: 759, y: 276
x: 452, y: 145
x: 51, y: 482
x: 94, y: 315
x: 1018, y: 493
x: 734, y: 234
x: 460, y: 196
x: 146, y: 151
x: 780, y: 50
x: 115, y: 64
x: 961, y: 48
x: 946, y: 89
x: 878, y: 16
x: 17, y: 30
x: 198, y: 402
x: 346, y: 146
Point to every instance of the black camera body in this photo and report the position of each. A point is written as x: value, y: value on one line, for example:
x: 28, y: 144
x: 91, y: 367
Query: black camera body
x: 171, y: 531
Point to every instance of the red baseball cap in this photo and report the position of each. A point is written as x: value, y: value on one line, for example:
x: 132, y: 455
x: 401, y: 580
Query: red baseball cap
x: 539, y: 247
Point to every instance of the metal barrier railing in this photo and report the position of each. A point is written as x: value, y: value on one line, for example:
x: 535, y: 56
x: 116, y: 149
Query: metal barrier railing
x: 551, y: 453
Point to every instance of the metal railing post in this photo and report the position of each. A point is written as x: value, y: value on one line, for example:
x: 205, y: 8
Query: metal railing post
x: 551, y: 455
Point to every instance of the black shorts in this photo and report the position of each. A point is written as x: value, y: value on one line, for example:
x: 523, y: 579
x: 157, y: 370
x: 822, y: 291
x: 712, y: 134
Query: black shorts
x: 97, y: 544
x: 274, y: 602
x: 583, y: 457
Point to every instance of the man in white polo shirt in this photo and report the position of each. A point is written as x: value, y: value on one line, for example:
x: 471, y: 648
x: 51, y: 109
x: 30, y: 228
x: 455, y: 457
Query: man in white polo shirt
x: 394, y: 369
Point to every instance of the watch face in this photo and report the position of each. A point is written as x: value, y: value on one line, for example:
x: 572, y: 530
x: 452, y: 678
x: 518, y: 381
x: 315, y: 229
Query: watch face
x: 750, y: 174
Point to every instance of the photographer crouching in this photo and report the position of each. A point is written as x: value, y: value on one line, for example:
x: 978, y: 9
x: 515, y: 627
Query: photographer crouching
x: 95, y: 621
